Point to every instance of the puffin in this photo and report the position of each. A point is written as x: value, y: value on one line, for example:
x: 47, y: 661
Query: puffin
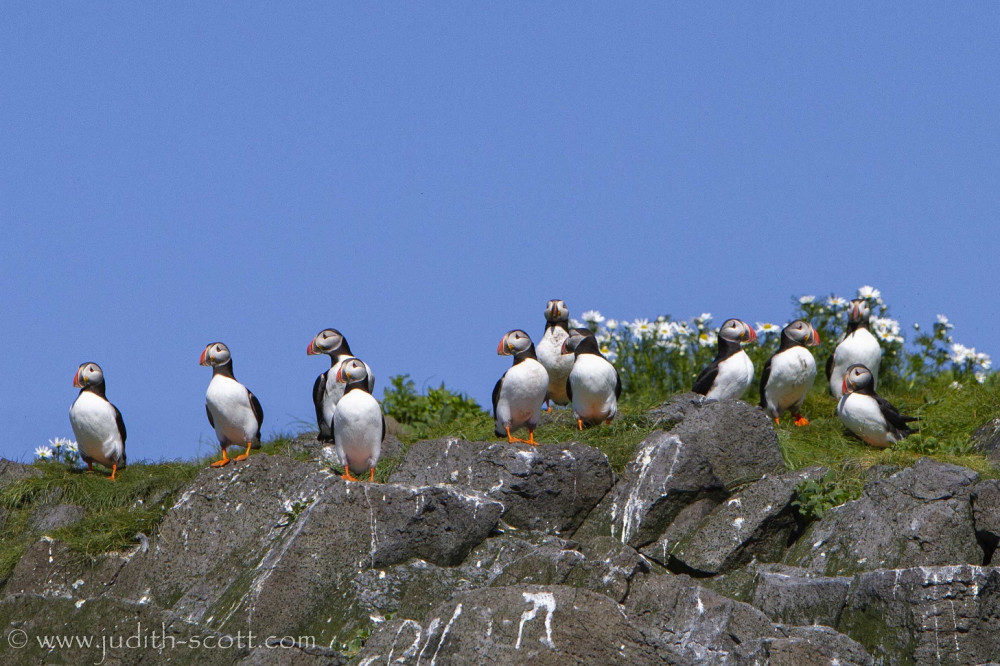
x: 550, y: 352
x: 730, y: 374
x: 594, y: 385
x: 358, y: 423
x: 790, y: 372
x: 232, y: 409
x: 97, y: 424
x: 327, y: 390
x: 520, y: 392
x: 859, y: 346
x: 867, y: 414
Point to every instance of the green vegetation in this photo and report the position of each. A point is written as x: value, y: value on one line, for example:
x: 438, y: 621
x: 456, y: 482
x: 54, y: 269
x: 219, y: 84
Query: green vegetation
x: 426, y: 413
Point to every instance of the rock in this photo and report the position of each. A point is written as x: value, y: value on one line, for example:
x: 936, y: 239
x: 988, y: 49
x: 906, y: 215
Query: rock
x: 684, y: 524
x: 309, y: 446
x: 737, y: 439
x: 49, y: 568
x: 789, y: 595
x: 921, y: 515
x: 689, y: 624
x: 755, y: 523
x: 48, y: 518
x: 519, y: 624
x: 986, y: 439
x: 275, y: 546
x: 11, y: 471
x: 549, y: 488
x: 675, y: 410
x: 986, y: 516
x: 666, y: 476
x: 926, y: 615
x: 803, y: 645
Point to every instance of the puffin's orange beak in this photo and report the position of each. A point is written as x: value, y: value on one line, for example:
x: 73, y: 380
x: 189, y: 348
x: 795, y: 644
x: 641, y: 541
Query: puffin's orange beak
x: 500, y: 347
x: 340, y: 374
x: 815, y: 336
x: 752, y: 335
x: 203, y: 360
x: 311, y: 349
x: 554, y: 311
x: 843, y: 388
x: 76, y: 379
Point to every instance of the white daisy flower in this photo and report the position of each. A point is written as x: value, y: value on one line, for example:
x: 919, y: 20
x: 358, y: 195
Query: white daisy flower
x: 960, y: 353
x: 593, y: 316
x: 805, y: 300
x: 71, y: 447
x: 984, y: 361
x: 766, y: 327
x: 871, y: 293
x: 43, y: 453
x: 641, y: 328
x: 941, y: 319
x: 576, y: 323
x: 56, y: 443
x: 980, y: 377
x: 611, y: 324
x: 708, y: 339
x: 837, y: 302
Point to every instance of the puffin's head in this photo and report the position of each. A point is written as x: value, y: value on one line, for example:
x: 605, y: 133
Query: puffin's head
x: 802, y: 332
x: 556, y: 310
x: 736, y: 330
x: 576, y: 336
x: 88, y: 374
x: 352, y: 370
x: 860, y: 311
x: 513, y: 342
x: 857, y: 377
x: 326, y: 341
x: 215, y: 354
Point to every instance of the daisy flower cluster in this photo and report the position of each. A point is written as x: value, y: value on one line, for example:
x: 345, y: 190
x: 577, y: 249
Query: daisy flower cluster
x: 663, y: 355
x: 61, y: 450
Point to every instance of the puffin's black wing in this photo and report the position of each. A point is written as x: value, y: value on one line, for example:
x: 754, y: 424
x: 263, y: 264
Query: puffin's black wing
x: 211, y: 421
x: 706, y: 378
x: 496, y: 394
x: 121, y: 424
x: 618, y: 385
x: 569, y: 389
x: 383, y: 427
x: 318, y: 388
x: 258, y: 411
x: 829, y: 365
x: 764, y: 376
x: 893, y: 417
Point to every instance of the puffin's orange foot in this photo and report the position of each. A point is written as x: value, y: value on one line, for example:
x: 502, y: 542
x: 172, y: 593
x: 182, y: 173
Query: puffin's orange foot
x: 346, y: 476
x: 245, y: 454
x: 223, y: 462
x: 608, y: 422
x: 371, y: 476
x: 531, y: 438
x: 801, y: 420
x: 579, y: 424
x: 777, y: 421
x: 114, y: 470
x: 548, y: 408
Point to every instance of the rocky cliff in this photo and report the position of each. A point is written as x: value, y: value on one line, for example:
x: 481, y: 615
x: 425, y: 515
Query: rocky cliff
x: 485, y: 552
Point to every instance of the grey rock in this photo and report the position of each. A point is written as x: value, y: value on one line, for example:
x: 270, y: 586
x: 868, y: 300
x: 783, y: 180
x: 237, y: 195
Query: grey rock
x: 986, y: 516
x: 798, y: 646
x: 755, y: 523
x: 666, y: 476
x: 789, y: 595
x: 941, y: 615
x: 11, y: 471
x: 738, y: 440
x: 275, y: 546
x: 986, y: 439
x: 675, y: 410
x: 48, y: 518
x: 49, y: 568
x: 680, y: 617
x: 921, y: 515
x: 683, y: 525
x: 518, y: 624
x: 549, y: 488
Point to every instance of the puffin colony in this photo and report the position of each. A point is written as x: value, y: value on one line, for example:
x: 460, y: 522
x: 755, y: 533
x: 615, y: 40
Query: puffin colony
x: 567, y: 368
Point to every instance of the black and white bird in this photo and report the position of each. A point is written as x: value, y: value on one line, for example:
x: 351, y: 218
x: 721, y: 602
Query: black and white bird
x: 867, y: 414
x: 97, y: 424
x: 520, y: 392
x: 859, y: 346
x: 358, y: 423
x: 232, y: 409
x: 790, y: 373
x: 593, y: 385
x: 327, y: 391
x: 550, y: 351
x: 730, y: 374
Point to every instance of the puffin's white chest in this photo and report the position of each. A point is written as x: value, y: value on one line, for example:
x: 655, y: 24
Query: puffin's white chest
x: 357, y: 429
x: 229, y: 404
x: 96, y: 428
x: 522, y: 393
x: 734, y: 378
x: 593, y: 380
x: 334, y: 390
x: 793, y: 372
x: 858, y: 347
x: 861, y: 415
x: 557, y: 364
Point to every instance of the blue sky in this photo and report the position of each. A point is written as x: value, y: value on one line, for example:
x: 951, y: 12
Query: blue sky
x: 425, y: 176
